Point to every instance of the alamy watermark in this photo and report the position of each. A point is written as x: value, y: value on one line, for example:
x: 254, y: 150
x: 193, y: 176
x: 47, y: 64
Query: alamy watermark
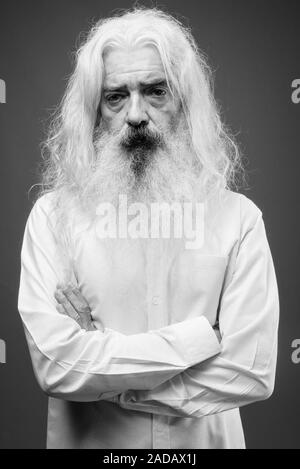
x: 2, y: 351
x: 296, y: 92
x: 2, y: 91
x: 157, y: 220
x: 296, y: 352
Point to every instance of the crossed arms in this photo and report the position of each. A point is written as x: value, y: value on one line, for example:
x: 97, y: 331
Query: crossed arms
x: 180, y: 370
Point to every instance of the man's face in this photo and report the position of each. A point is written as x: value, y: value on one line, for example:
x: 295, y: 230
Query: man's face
x: 142, y: 143
x: 135, y: 90
x: 136, y: 100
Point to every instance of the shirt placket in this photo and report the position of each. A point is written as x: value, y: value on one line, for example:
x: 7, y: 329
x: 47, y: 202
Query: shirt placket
x: 157, y: 318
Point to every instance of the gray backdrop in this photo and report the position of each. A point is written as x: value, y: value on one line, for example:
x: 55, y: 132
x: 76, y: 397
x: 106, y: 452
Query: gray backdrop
x: 254, y: 48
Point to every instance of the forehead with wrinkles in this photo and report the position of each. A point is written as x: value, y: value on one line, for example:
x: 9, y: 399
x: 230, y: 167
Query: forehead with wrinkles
x: 127, y: 67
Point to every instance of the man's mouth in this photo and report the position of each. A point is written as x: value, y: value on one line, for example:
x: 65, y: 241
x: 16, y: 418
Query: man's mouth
x: 140, y: 143
x: 141, y: 138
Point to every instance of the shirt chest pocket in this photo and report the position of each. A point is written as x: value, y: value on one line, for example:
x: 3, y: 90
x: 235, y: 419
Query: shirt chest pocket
x: 195, y: 283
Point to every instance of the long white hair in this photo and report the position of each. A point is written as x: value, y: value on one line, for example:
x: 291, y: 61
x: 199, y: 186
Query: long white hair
x: 69, y: 151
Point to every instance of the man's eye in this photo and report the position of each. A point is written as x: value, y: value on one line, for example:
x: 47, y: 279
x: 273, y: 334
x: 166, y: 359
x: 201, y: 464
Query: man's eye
x: 157, y: 92
x: 114, y: 98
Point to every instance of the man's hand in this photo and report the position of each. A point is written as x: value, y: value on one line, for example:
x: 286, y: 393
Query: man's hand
x: 72, y: 303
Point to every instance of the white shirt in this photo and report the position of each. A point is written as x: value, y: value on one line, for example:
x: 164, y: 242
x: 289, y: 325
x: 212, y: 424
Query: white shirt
x: 156, y: 377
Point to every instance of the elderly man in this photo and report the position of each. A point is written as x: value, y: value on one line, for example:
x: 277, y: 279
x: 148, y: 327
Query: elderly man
x: 140, y: 341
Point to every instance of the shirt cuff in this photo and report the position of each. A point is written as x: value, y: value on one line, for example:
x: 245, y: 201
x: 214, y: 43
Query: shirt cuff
x: 198, y: 339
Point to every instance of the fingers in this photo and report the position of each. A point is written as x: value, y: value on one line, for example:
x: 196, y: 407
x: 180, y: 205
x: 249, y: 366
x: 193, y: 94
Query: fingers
x: 65, y: 307
x: 80, y: 297
x: 75, y: 306
x: 61, y: 309
x: 76, y: 299
x: 80, y: 305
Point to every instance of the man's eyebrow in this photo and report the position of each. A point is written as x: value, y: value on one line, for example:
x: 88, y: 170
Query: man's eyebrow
x: 146, y: 84
x: 158, y: 82
x: 115, y: 88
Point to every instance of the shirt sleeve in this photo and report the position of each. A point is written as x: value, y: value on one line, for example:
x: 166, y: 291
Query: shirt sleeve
x: 244, y: 371
x: 73, y: 364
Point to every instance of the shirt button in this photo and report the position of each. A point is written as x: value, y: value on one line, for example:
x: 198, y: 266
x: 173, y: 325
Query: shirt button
x: 155, y: 300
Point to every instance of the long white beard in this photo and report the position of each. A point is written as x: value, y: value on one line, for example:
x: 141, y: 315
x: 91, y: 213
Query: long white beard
x: 170, y: 175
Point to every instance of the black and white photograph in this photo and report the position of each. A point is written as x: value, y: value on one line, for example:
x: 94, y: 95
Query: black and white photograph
x: 150, y: 243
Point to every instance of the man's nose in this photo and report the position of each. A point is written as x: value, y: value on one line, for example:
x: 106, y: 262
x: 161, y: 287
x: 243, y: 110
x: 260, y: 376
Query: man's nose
x: 136, y: 113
